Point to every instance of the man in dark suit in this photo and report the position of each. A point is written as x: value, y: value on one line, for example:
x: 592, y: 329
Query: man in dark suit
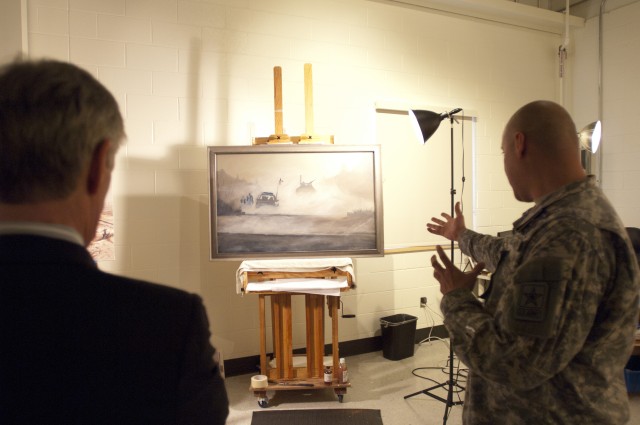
x: 77, y: 345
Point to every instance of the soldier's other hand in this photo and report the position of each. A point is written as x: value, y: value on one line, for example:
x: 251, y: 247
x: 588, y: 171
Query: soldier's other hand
x: 451, y: 228
x: 449, y: 276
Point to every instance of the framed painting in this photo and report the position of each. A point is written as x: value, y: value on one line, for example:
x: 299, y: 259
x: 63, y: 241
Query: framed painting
x: 291, y: 201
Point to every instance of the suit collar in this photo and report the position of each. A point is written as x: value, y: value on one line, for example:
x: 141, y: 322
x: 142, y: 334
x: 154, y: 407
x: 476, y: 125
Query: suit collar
x: 35, y: 249
x: 56, y: 231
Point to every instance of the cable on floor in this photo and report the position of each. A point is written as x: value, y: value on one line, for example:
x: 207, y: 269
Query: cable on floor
x: 460, y: 374
x: 430, y: 338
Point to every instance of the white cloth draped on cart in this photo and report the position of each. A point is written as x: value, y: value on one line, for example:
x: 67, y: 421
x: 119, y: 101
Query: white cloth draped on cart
x: 302, y: 285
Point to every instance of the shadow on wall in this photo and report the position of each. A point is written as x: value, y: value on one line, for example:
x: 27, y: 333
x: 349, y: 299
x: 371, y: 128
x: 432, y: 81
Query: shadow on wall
x: 161, y: 203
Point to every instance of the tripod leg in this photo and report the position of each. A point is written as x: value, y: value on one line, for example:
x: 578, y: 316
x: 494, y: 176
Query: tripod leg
x: 426, y: 391
x: 447, y: 409
x: 449, y: 403
x: 449, y: 384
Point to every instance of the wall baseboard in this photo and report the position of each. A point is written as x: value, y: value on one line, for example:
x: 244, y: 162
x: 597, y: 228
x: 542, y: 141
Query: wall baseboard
x: 251, y: 364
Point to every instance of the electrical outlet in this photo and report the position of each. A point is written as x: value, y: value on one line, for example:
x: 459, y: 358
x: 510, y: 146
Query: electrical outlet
x: 423, y: 301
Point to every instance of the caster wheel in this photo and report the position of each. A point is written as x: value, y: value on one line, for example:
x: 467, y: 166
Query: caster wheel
x: 340, y: 397
x: 263, y: 402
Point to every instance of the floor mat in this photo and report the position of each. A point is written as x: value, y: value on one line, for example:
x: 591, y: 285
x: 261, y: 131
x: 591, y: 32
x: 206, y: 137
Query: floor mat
x: 317, y: 417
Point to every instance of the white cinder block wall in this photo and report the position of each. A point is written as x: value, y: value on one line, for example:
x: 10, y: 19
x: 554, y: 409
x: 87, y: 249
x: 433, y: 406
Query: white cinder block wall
x: 188, y: 74
x: 620, y: 94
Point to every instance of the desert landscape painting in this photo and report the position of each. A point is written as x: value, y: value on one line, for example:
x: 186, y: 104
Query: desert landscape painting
x: 293, y: 201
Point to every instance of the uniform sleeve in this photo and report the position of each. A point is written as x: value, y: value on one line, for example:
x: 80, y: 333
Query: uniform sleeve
x: 533, y: 334
x: 482, y: 248
x: 202, y: 393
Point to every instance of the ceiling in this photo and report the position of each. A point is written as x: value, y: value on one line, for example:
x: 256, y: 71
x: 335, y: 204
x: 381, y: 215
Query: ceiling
x: 543, y: 15
x: 581, y: 8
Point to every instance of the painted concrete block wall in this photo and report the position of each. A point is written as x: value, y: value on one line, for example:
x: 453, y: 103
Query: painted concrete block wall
x: 11, y: 31
x: 188, y: 74
x: 620, y: 94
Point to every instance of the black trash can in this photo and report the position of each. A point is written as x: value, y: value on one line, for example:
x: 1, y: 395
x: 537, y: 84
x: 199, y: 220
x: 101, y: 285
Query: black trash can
x: 398, y: 336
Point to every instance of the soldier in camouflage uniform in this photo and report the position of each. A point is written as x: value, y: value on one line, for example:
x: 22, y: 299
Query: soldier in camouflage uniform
x: 549, y: 344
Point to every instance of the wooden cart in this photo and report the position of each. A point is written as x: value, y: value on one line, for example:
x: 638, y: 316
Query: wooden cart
x: 284, y: 375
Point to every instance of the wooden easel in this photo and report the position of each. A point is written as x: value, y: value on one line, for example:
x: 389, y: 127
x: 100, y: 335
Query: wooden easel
x: 279, y: 137
x: 284, y: 375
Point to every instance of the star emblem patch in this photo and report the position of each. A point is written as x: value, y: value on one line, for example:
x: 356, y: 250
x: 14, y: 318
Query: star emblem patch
x: 531, y: 301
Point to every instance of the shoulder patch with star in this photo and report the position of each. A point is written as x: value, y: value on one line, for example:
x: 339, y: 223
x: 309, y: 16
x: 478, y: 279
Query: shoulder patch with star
x: 539, y: 288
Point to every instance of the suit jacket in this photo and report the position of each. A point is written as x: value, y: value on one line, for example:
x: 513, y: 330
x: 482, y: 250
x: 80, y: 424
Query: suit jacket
x: 80, y: 346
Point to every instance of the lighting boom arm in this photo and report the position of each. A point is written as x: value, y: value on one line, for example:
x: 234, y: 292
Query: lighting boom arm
x: 450, y: 113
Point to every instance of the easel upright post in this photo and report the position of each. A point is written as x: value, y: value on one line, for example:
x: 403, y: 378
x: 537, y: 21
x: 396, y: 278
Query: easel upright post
x: 277, y: 100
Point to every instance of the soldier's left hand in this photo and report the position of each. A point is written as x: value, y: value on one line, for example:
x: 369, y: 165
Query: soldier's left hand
x: 451, y: 277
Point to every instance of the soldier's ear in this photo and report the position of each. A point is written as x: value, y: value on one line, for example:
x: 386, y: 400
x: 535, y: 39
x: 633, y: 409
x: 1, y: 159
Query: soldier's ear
x: 520, y: 144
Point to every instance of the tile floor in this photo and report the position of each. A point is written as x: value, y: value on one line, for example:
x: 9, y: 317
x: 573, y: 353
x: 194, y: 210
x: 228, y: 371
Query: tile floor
x: 377, y: 383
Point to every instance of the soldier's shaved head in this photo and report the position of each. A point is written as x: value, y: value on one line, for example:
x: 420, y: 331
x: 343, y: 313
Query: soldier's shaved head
x: 541, y: 150
x: 548, y: 125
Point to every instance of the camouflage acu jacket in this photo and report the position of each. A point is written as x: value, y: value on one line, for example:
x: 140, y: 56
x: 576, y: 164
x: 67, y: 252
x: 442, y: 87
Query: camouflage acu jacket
x: 549, y: 344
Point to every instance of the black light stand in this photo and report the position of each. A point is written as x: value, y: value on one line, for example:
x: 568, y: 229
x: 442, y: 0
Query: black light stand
x: 429, y: 122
